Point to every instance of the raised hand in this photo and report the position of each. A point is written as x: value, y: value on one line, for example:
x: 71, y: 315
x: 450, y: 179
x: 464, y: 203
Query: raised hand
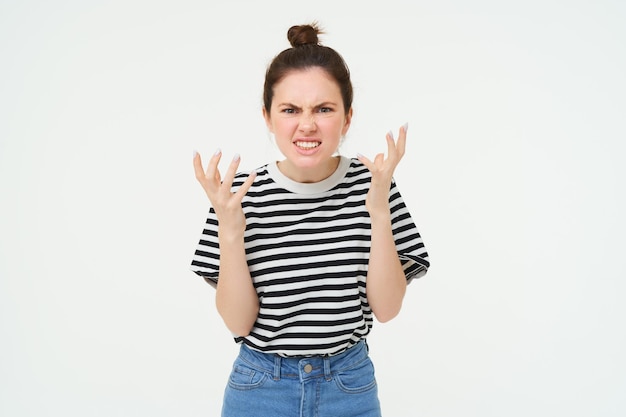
x: 227, y: 205
x: 382, y: 172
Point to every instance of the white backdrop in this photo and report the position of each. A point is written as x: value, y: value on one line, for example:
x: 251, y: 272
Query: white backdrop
x: 514, y: 175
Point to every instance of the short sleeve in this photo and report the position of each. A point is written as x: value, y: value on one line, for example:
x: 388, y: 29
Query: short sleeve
x: 409, y: 244
x: 205, y: 262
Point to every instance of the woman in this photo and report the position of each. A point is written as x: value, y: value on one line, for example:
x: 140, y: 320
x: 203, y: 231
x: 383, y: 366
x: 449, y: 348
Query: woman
x: 304, y: 252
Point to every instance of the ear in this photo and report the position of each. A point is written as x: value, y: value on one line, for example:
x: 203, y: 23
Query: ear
x: 268, y: 120
x: 346, y: 123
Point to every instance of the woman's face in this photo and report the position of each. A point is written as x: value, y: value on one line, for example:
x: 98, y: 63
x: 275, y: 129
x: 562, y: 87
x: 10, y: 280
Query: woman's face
x: 307, y: 118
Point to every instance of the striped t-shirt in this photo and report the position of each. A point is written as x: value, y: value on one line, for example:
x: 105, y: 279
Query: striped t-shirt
x: 307, y: 247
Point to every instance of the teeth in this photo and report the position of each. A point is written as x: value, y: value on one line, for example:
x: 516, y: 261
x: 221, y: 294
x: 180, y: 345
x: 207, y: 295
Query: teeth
x: 307, y: 145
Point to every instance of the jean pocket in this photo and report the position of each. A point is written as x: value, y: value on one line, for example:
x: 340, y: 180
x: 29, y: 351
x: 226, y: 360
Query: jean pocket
x: 357, y: 379
x: 243, y: 377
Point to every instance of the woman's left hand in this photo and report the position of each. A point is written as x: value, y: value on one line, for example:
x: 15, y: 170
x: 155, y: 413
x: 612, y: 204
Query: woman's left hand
x: 382, y: 170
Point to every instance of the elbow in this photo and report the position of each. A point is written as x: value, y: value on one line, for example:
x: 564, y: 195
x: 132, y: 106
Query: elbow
x: 240, y: 330
x: 387, y: 311
x: 387, y: 307
x: 239, y: 326
x: 239, y: 323
x: 387, y: 314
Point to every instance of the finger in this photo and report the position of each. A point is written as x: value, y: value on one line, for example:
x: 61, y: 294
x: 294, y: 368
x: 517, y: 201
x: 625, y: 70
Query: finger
x: 243, y: 190
x: 365, y: 161
x: 197, y: 166
x: 199, y: 171
x: 391, y: 146
x: 212, y: 170
x: 401, y: 144
x: 229, y: 176
x: 380, y: 158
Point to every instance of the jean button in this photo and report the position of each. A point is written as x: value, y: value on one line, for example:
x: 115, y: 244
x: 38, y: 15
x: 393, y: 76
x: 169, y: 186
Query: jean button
x: 308, y: 368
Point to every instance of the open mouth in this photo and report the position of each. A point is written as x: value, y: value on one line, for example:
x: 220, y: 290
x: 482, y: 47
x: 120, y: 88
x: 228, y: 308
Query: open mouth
x: 307, y: 144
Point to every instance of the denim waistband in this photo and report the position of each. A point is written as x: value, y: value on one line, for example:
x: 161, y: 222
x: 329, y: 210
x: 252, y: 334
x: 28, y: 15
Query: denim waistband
x: 304, y: 368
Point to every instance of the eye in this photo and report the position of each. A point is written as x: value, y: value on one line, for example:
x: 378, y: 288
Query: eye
x: 288, y: 110
x: 325, y: 110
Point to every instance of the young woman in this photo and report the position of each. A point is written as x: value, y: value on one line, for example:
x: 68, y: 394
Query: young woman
x: 305, y: 252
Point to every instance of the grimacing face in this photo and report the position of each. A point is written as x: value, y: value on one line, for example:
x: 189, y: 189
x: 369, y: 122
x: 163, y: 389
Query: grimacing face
x: 308, y: 120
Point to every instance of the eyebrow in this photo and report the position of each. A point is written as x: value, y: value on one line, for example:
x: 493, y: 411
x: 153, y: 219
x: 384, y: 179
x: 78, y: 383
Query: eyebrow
x: 323, y: 104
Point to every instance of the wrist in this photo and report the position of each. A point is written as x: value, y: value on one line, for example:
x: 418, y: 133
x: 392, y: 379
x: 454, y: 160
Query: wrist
x: 230, y: 237
x: 380, y: 219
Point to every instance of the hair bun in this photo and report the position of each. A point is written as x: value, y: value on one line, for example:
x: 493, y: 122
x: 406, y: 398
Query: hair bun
x: 303, y: 35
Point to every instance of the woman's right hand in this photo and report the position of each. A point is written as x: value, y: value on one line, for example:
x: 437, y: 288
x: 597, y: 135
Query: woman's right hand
x: 227, y: 205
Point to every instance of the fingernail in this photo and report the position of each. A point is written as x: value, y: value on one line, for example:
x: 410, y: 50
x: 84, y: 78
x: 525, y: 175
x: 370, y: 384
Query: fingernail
x: 405, y: 127
x: 236, y: 157
x: 195, y: 153
x: 217, y: 152
x: 358, y: 155
x: 390, y: 133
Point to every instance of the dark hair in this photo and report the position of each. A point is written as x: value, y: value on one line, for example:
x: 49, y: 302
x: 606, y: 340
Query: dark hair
x: 306, y: 52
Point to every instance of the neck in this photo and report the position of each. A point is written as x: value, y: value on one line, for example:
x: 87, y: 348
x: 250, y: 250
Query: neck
x: 309, y: 175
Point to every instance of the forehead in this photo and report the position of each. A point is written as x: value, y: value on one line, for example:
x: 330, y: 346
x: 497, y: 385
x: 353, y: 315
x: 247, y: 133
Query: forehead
x: 310, y: 84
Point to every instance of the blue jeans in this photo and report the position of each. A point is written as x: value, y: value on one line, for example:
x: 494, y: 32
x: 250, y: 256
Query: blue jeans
x: 267, y: 385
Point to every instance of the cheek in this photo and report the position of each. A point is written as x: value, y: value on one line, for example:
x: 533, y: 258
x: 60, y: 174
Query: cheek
x: 284, y: 127
x: 335, y: 127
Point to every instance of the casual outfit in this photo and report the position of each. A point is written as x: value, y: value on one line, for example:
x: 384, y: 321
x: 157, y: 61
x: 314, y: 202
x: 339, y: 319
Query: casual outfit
x: 307, y: 247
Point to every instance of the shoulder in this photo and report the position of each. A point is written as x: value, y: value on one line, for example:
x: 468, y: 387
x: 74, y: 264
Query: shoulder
x: 357, y: 169
x: 357, y: 174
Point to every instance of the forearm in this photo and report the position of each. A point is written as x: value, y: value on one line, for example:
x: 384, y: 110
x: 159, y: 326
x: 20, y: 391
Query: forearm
x: 236, y: 298
x: 386, y: 282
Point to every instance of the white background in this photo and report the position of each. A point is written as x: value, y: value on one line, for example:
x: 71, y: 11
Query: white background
x: 514, y: 175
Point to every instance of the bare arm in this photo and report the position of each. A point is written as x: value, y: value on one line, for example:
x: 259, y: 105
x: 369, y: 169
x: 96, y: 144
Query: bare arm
x: 236, y: 298
x: 386, y: 282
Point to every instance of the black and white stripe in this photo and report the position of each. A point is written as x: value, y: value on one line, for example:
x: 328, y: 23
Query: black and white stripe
x: 307, y: 248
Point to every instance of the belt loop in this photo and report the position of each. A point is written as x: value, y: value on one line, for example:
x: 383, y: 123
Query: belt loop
x: 327, y: 368
x: 277, y: 363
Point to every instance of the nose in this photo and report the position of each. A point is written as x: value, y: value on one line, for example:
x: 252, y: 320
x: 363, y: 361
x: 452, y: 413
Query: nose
x: 307, y: 122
